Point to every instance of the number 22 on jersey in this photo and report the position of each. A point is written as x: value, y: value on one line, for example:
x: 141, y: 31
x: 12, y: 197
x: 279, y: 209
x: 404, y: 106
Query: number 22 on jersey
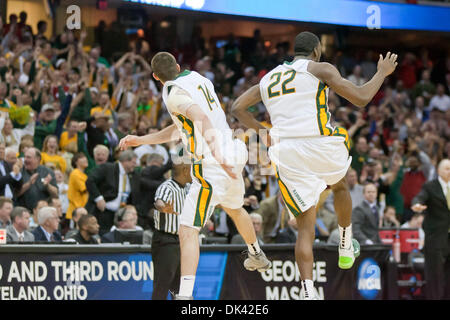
x: 288, y: 76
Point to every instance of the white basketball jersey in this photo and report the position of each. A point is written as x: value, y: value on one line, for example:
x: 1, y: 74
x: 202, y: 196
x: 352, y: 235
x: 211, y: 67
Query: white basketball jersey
x: 202, y: 93
x: 296, y: 101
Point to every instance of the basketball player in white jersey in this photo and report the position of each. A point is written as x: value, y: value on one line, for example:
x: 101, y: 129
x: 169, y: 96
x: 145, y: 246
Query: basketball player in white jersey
x: 308, y: 154
x: 199, y: 118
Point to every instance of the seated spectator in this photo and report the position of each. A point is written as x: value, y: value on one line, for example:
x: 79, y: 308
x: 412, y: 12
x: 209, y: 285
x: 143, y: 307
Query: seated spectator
x: 389, y: 219
x: 366, y: 217
x: 273, y: 210
x: 10, y: 175
x: 355, y: 189
x: 126, y: 220
x: 39, y: 182
x: 34, y: 217
x: 257, y: 225
x: 48, y: 226
x: 6, y: 206
x: 87, y: 230
x: 50, y: 153
x: 18, y: 230
x: 77, y: 213
x: 416, y: 222
x: 77, y: 191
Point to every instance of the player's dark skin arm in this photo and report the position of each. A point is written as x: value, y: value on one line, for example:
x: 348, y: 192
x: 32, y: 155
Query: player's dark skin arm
x: 358, y: 95
x: 239, y: 109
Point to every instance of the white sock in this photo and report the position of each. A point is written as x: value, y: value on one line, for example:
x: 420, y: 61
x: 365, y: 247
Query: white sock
x: 254, y: 248
x: 345, y: 234
x: 187, y: 286
x: 308, y: 287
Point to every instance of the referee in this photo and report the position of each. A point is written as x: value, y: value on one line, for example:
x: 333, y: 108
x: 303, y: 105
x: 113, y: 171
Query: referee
x: 169, y: 201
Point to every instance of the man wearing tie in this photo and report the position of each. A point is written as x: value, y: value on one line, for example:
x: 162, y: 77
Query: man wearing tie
x: 18, y: 230
x: 366, y: 217
x: 434, y: 200
x: 10, y: 175
x: 112, y: 186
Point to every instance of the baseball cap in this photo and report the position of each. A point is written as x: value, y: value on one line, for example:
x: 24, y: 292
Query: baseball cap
x: 47, y: 106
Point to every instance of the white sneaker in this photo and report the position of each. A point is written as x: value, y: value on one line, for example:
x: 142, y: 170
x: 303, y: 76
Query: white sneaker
x: 257, y: 262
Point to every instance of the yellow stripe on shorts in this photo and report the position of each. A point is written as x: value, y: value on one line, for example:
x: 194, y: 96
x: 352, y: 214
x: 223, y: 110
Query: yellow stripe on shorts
x: 204, y: 196
x: 287, y: 197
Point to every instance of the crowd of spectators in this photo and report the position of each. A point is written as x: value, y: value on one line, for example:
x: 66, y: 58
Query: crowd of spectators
x: 64, y: 106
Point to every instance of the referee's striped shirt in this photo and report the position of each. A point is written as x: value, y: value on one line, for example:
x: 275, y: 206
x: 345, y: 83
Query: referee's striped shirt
x: 170, y: 191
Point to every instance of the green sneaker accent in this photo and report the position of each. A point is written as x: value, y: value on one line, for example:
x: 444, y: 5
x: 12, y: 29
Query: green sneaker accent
x: 345, y: 262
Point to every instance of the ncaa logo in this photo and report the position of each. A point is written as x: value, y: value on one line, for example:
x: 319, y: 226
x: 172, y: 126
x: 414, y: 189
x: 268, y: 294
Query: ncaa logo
x: 369, y: 279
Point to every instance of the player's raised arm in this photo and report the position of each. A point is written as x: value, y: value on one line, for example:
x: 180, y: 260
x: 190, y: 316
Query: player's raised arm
x: 357, y: 95
x: 167, y: 134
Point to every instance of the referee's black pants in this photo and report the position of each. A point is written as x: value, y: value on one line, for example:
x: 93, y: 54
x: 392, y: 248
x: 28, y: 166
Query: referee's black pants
x: 166, y: 264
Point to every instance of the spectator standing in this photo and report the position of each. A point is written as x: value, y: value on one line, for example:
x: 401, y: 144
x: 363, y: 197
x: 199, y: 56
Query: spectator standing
x: 18, y: 230
x: 50, y: 153
x: 110, y: 186
x: 434, y: 199
x: 38, y: 181
x: 77, y: 192
x: 10, y: 176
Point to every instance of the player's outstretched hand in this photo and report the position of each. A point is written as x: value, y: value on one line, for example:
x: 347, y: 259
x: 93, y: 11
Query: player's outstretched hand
x: 129, y: 141
x: 387, y: 64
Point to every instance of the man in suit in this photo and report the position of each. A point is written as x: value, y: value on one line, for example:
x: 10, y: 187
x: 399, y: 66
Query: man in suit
x: 152, y: 176
x: 275, y: 217
x: 434, y: 200
x: 112, y: 186
x: 10, y: 175
x: 18, y: 230
x: 48, y: 226
x: 366, y: 217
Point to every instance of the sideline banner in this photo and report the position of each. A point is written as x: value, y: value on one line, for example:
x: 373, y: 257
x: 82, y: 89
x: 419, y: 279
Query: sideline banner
x: 93, y: 274
x: 367, y: 279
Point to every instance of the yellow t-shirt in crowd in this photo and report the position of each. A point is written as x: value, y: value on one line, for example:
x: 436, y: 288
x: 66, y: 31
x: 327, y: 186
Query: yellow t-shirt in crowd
x: 64, y: 140
x: 59, y: 161
x: 100, y: 109
x: 77, y: 192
